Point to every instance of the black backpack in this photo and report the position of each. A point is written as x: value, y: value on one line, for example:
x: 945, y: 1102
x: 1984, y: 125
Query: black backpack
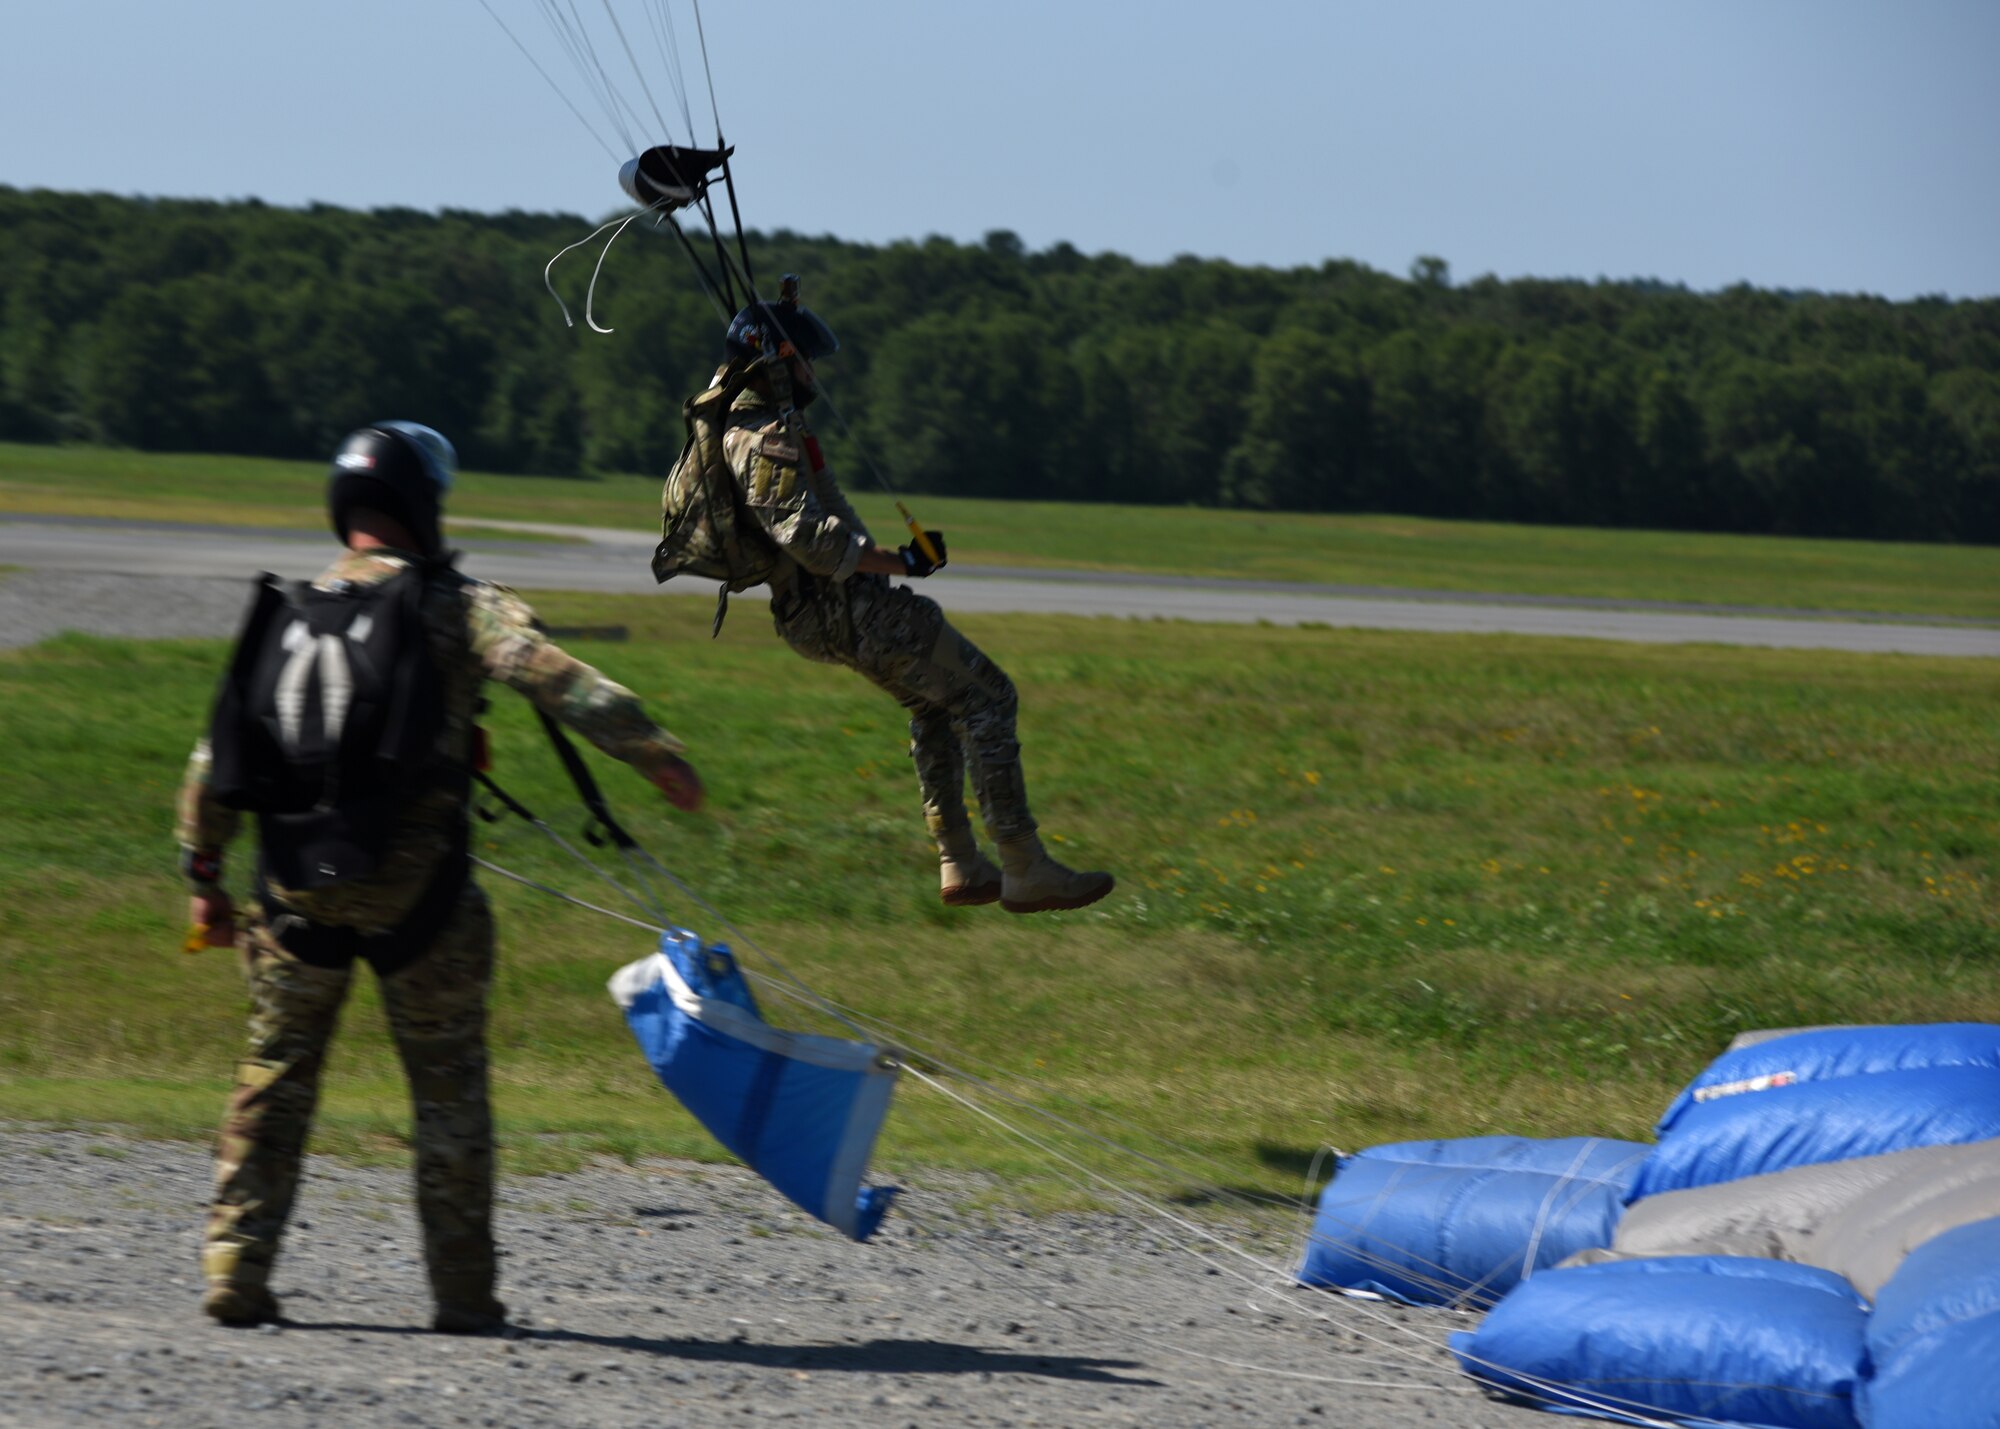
x: 328, y: 722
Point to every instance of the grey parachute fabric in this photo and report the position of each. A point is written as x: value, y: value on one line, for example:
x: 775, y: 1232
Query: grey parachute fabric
x: 1857, y: 1218
x: 704, y: 530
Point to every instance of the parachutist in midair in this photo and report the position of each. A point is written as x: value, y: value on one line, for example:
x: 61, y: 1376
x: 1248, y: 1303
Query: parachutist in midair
x: 832, y: 601
x: 366, y: 855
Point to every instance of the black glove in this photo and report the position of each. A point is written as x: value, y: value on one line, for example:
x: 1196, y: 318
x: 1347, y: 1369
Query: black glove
x: 916, y: 563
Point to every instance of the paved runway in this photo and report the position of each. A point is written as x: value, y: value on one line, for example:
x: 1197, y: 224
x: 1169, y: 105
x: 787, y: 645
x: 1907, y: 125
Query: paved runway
x: 615, y: 562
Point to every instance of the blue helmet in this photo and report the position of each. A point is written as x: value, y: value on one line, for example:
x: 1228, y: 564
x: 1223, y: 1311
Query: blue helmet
x: 768, y: 329
x: 402, y: 469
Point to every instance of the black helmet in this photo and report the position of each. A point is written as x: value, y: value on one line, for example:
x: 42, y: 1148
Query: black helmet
x: 402, y: 469
x: 765, y: 329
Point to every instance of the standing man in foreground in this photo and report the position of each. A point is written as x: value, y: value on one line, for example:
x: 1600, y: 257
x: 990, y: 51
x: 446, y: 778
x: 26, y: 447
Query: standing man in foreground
x: 346, y: 723
x: 752, y: 500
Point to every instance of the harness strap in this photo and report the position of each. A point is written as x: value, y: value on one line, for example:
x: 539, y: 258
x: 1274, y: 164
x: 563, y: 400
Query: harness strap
x: 586, y: 786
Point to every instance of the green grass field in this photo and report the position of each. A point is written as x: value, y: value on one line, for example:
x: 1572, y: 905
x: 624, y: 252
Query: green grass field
x: 1373, y: 886
x: 1960, y: 581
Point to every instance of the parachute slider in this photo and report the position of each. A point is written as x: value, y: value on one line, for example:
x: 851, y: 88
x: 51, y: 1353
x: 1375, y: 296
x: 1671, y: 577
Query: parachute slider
x: 670, y: 176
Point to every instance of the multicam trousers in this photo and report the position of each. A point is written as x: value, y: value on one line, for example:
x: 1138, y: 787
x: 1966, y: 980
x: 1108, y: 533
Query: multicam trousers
x: 962, y: 706
x: 436, y: 1007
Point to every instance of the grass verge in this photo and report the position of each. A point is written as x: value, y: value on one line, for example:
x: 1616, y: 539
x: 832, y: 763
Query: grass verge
x: 1374, y: 886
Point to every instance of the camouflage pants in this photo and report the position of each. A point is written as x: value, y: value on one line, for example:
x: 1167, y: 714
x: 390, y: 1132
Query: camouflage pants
x: 962, y: 706
x: 436, y: 1008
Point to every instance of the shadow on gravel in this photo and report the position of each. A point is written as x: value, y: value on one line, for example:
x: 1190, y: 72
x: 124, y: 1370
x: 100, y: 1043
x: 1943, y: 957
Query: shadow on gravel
x: 872, y: 1357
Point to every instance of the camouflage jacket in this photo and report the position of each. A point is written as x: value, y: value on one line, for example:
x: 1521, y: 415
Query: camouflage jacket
x: 791, y: 493
x: 478, y: 632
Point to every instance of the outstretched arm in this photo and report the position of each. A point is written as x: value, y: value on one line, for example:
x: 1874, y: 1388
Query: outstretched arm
x: 513, y: 649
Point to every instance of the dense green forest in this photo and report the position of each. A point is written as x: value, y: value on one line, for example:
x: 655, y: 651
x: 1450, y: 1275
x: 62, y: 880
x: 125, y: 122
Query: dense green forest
x: 990, y: 370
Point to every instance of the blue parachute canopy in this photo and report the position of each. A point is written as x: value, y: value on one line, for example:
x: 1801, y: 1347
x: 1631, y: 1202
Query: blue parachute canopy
x: 1465, y: 1221
x: 1828, y: 1095
x: 1799, y: 1174
x: 1692, y: 1337
x: 801, y: 1111
x: 1934, y: 1339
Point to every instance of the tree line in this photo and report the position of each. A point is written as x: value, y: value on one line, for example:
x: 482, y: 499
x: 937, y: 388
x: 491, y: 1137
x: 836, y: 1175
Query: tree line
x: 991, y: 370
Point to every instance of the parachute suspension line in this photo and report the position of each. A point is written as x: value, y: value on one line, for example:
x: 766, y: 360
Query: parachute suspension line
x: 638, y: 125
x: 801, y: 989
x: 666, y: 129
x: 590, y: 293
x: 548, y: 282
x: 713, y: 107
x: 661, y: 19
x: 491, y: 867
x: 560, y: 94
x: 885, y: 1031
x: 729, y: 267
x: 992, y: 1265
x: 735, y: 213
x: 1455, y: 1287
x: 1553, y: 1394
x: 728, y: 178
x: 573, y: 45
x: 709, y: 287
x: 1088, y: 1179
x: 642, y: 880
x: 645, y: 903
x: 706, y: 204
x: 1303, y: 1227
x: 570, y: 28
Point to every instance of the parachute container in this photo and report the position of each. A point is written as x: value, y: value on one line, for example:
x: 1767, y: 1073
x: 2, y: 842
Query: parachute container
x: 1462, y: 1222
x: 803, y: 1111
x: 1691, y: 1338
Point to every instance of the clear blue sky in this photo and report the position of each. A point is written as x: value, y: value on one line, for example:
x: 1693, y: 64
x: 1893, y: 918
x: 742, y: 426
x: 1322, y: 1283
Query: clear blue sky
x: 1821, y: 144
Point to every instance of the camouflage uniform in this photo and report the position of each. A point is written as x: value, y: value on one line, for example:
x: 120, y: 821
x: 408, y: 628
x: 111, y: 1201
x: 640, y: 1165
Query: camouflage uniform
x: 962, y: 706
x: 434, y: 992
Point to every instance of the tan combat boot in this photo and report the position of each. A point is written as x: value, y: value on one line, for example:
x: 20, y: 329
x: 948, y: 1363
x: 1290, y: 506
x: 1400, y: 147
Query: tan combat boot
x: 242, y: 1305
x: 966, y: 877
x: 1035, y: 883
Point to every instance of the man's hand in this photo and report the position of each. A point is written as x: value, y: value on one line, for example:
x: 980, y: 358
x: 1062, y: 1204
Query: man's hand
x: 214, y: 915
x: 675, y: 777
x: 916, y: 563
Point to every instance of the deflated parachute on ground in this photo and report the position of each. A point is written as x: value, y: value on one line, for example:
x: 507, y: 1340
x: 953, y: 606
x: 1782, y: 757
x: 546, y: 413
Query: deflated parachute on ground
x: 802, y: 1111
x: 1463, y: 1222
x: 1828, y: 1095
x: 1798, y: 1177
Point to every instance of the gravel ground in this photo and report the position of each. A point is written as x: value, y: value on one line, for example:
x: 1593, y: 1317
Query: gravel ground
x: 661, y: 1295
x: 37, y: 604
x: 669, y: 1294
